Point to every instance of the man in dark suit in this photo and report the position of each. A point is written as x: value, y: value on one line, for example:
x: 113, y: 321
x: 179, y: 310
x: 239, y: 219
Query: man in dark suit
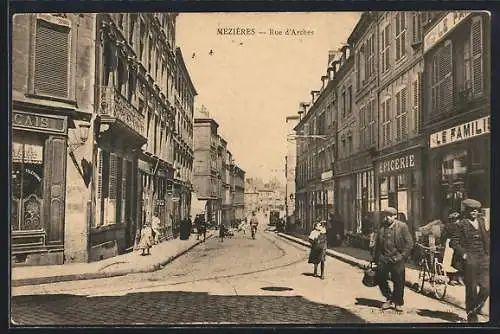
x: 471, y: 242
x: 393, y: 245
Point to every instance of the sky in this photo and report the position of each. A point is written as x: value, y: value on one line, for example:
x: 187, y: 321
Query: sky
x: 251, y: 83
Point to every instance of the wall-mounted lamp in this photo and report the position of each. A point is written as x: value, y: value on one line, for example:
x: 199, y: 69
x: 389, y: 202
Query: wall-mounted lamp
x: 83, y: 131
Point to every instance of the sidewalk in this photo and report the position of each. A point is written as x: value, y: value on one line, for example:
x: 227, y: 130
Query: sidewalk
x: 360, y: 258
x: 161, y: 254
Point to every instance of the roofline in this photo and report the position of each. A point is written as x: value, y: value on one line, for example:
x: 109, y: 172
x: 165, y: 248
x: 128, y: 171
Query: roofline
x: 185, y: 70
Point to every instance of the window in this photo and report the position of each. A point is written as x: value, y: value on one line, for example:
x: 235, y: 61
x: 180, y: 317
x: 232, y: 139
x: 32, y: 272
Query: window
x: 133, y: 20
x: 27, y: 184
x: 441, y: 79
x: 400, y: 35
x: 349, y: 99
x: 142, y: 41
x: 401, y: 116
x: 362, y: 126
x: 416, y: 28
x: 371, y: 121
x: 371, y: 56
x: 344, y: 113
x: 150, y: 54
x: 385, y: 48
x: 416, y: 89
x: 477, y: 51
x: 51, y: 59
x: 385, y: 111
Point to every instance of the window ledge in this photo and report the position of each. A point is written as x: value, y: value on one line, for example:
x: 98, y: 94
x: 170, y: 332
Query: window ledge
x: 52, y: 98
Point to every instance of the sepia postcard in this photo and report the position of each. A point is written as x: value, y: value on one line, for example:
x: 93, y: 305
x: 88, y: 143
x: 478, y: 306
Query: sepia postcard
x: 172, y: 168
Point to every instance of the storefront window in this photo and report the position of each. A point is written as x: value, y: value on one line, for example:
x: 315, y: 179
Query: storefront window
x: 453, y: 172
x: 27, y: 184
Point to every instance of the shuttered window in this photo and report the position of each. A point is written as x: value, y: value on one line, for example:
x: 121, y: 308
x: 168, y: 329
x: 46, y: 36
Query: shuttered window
x: 362, y: 125
x: 442, y: 83
x: 416, y: 89
x: 401, y: 116
x: 477, y: 60
x: 113, y: 177
x: 386, y: 122
x: 400, y: 35
x: 51, y: 60
x: 416, y: 27
x: 385, y: 48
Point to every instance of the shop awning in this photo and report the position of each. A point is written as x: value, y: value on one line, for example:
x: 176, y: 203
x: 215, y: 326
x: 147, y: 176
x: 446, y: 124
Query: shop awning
x: 198, y: 206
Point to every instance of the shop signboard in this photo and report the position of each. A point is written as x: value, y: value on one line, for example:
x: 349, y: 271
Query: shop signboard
x: 460, y: 132
x: 443, y: 28
x: 399, y: 163
x: 38, y: 122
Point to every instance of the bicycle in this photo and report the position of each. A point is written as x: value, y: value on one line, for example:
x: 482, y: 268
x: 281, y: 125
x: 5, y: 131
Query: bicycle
x: 432, y: 271
x: 254, y: 231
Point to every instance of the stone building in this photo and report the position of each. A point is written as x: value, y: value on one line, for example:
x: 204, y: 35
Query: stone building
x: 129, y: 98
x: 456, y: 111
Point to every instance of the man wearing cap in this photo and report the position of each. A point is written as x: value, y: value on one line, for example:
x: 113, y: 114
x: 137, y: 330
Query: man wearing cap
x: 471, y: 242
x: 393, y: 245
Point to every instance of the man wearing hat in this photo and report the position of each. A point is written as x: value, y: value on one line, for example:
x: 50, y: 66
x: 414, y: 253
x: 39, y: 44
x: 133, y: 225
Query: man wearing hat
x: 471, y: 242
x: 393, y: 245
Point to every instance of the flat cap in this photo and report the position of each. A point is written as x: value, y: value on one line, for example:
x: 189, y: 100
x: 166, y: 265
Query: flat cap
x: 471, y: 203
x: 390, y: 211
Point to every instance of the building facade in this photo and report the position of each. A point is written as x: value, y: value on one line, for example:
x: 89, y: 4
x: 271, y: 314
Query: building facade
x: 401, y: 144
x: 238, y: 182
x: 133, y: 101
x: 456, y: 111
x: 290, y: 165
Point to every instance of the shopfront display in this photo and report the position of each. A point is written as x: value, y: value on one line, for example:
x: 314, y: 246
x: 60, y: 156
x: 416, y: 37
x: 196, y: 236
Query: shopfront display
x: 38, y: 193
x: 400, y: 184
x: 460, y: 169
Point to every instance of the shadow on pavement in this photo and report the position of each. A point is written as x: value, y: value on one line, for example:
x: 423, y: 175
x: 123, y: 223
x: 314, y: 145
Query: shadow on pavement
x: 447, y: 316
x: 308, y: 274
x: 174, y: 307
x: 369, y: 302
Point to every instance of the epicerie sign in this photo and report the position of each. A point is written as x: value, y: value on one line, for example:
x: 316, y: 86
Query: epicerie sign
x: 397, y: 164
x: 445, y: 25
x: 460, y: 132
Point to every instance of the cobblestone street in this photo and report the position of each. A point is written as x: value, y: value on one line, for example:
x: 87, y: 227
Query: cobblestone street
x: 240, y: 280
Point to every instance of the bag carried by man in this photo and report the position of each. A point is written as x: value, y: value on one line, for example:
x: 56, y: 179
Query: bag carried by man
x: 369, y: 277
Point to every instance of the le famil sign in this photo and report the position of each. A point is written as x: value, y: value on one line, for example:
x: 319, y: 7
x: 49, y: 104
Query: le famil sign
x: 460, y: 132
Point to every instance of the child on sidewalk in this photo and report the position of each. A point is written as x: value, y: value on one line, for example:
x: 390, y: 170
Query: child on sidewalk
x: 147, y: 239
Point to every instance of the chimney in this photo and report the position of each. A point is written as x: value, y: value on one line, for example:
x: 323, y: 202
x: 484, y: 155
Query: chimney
x: 314, y: 94
x: 331, y: 56
x: 344, y: 50
x: 324, y: 80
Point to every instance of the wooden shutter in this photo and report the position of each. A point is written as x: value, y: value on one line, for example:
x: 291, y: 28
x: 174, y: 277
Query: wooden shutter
x: 382, y: 112
x: 416, y: 88
x: 388, y: 120
x: 404, y: 115
x: 382, y: 53
x: 99, y: 195
x: 51, y: 60
x: 445, y: 71
x: 387, y: 46
x: 113, y: 182
x: 56, y: 162
x: 477, y: 60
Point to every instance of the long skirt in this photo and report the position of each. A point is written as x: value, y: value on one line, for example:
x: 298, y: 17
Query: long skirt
x: 317, y: 255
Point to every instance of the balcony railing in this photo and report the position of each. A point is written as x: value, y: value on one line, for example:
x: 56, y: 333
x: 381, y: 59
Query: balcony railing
x: 113, y: 104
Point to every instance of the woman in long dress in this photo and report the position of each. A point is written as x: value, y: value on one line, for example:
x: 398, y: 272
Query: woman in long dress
x: 317, y: 254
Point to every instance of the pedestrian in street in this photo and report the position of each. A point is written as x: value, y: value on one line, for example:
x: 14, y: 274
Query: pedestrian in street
x: 393, y: 245
x: 254, y: 222
x: 317, y: 254
x: 203, y: 228
x: 222, y: 231
x: 456, y: 278
x: 155, y: 225
x: 147, y: 239
x: 472, y: 243
x: 189, y: 225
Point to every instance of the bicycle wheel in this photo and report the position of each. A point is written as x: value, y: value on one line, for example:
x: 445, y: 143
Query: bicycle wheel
x: 423, y: 274
x: 439, y: 280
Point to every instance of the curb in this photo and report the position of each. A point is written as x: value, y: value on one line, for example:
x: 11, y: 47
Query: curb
x: 362, y: 264
x: 97, y: 275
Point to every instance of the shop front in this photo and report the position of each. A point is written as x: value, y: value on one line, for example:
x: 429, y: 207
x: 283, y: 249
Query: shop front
x: 399, y: 176
x: 459, y: 166
x: 39, y: 148
x: 355, y: 189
